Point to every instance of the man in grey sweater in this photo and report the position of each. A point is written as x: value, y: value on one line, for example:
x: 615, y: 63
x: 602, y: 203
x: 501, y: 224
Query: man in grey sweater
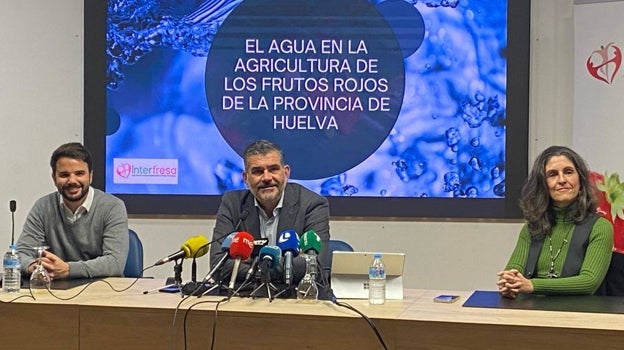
x: 85, y: 229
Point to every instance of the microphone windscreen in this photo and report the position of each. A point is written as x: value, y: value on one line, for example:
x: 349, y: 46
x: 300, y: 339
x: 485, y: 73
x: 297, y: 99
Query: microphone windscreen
x: 242, y: 246
x: 225, y: 246
x: 195, y: 246
x: 310, y: 241
x: 273, y: 252
x: 288, y: 241
x: 12, y: 206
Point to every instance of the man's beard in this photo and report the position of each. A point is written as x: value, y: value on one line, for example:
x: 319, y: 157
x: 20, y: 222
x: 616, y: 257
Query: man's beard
x: 273, y: 196
x: 82, y: 194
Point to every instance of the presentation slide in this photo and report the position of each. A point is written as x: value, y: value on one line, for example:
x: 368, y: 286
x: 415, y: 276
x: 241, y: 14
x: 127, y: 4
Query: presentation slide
x: 370, y: 99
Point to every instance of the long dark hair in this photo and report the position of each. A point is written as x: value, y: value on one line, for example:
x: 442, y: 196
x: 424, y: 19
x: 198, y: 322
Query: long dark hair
x: 535, y: 201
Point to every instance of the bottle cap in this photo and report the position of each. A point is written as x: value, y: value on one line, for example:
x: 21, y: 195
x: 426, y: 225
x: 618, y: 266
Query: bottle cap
x: 377, y: 255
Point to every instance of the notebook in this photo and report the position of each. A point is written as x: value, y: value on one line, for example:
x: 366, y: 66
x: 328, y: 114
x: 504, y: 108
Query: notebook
x: 349, y: 274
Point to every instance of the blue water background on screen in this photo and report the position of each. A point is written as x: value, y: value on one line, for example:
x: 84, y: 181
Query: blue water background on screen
x: 449, y: 139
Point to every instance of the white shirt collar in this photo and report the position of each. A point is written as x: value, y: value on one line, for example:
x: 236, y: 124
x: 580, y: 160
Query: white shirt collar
x: 86, y: 204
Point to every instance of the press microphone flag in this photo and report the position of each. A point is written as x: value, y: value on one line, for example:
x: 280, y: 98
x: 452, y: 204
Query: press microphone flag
x: 195, y: 246
x: 227, y: 242
x: 258, y: 244
x: 310, y: 243
x: 269, y: 259
x: 225, y: 248
x: 288, y: 242
x: 240, y: 249
x: 270, y: 256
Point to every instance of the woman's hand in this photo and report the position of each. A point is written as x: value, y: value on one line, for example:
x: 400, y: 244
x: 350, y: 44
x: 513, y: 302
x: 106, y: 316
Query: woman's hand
x: 512, y: 282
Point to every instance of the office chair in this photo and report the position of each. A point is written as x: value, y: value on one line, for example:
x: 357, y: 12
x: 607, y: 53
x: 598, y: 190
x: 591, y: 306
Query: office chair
x: 134, y: 262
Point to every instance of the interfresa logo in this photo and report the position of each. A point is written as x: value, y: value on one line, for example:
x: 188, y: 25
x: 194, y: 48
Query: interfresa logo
x: 124, y: 170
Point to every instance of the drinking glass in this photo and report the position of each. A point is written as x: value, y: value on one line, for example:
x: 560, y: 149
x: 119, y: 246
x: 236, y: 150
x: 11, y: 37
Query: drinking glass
x: 40, y: 279
x: 307, y: 290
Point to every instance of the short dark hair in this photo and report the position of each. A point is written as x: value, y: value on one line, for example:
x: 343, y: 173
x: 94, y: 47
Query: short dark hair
x: 262, y: 147
x: 73, y: 150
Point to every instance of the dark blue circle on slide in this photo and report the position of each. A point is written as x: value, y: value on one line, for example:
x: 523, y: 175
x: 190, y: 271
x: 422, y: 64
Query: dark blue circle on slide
x: 407, y: 24
x: 322, y: 78
x: 113, y: 121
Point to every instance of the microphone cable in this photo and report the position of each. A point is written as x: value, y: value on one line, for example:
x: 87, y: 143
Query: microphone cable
x: 48, y: 288
x: 214, y: 323
x: 173, y: 329
x: 330, y: 293
x: 16, y: 298
x: 175, y: 314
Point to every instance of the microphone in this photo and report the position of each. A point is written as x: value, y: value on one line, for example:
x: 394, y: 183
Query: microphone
x: 311, y: 244
x: 12, y: 208
x: 269, y: 259
x: 240, y: 249
x: 242, y: 218
x: 195, y: 246
x: 199, y: 289
x: 258, y: 244
x: 225, y: 247
x: 288, y: 242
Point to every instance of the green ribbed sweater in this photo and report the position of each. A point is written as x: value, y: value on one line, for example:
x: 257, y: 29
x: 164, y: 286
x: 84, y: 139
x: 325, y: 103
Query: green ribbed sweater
x: 593, y: 269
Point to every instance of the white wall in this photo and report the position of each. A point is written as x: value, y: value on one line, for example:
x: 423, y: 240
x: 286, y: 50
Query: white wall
x: 41, y: 107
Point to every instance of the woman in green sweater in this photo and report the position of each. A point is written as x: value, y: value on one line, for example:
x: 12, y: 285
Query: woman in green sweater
x: 564, y: 247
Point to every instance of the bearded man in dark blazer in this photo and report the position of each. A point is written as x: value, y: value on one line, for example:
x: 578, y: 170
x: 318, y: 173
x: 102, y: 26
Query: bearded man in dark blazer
x: 269, y: 206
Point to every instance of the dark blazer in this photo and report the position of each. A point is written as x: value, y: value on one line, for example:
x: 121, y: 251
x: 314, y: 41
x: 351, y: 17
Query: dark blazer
x: 302, y: 210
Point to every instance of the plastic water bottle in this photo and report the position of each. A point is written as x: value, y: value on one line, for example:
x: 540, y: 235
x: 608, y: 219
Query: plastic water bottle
x: 11, y: 278
x: 377, y: 281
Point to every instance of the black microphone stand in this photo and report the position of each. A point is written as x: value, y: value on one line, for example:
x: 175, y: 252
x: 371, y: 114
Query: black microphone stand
x: 190, y: 287
x: 287, y: 290
x: 214, y: 277
x: 266, y: 282
x: 197, y: 288
x: 177, y: 275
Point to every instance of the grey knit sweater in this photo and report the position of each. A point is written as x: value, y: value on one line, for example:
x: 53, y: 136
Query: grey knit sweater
x: 96, y: 245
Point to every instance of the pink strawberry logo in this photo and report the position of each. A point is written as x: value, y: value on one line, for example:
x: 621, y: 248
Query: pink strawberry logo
x: 604, y: 63
x: 124, y: 170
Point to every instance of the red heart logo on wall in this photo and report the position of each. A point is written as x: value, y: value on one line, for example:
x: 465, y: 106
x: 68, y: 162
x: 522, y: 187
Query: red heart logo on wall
x: 603, y: 64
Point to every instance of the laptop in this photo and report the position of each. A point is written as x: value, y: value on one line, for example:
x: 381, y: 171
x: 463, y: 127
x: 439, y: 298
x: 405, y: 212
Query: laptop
x: 349, y: 274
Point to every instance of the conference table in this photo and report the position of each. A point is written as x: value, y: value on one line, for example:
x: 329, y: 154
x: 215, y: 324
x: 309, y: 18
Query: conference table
x: 98, y: 317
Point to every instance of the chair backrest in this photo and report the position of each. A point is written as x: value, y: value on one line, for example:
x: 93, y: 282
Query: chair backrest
x: 336, y: 244
x: 134, y: 262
